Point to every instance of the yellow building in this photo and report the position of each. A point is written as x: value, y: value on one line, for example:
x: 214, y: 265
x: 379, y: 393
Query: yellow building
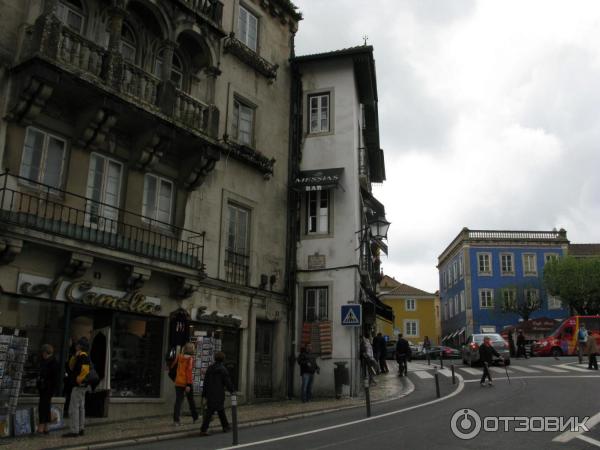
x: 416, y: 312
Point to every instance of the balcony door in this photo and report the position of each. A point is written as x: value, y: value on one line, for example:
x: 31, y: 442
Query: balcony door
x: 103, y: 193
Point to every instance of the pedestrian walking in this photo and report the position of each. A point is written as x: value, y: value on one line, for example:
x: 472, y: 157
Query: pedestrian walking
x: 47, y: 383
x: 67, y: 378
x: 521, y: 346
x: 216, y: 380
x: 402, y: 355
x: 79, y: 369
x: 582, y: 338
x: 380, y: 350
x: 184, y: 362
x: 511, y: 344
x: 486, y: 356
x: 592, y: 351
x: 308, y: 368
x: 370, y: 366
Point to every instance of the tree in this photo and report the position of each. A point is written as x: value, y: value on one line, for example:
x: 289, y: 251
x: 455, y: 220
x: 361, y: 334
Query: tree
x: 576, y: 281
x: 523, y: 300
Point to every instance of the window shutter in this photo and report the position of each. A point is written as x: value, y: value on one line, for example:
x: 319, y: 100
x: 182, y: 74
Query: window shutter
x: 149, y: 208
x: 55, y: 156
x: 252, y: 31
x: 32, y: 155
x: 165, y: 201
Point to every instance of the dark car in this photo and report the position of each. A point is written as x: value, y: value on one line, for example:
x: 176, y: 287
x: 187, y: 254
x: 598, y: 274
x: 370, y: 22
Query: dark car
x: 390, y: 349
x: 434, y: 353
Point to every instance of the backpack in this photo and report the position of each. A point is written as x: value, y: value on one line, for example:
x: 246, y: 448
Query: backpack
x: 582, y: 335
x: 92, y: 379
x: 173, y: 371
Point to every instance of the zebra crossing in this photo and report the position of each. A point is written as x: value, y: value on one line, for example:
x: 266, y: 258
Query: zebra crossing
x: 425, y: 372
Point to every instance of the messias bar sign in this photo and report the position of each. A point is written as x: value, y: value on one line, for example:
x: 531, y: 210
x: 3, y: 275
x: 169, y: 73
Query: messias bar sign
x: 316, y: 180
x: 85, y: 293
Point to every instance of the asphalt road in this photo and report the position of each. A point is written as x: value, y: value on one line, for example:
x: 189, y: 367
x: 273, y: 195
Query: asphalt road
x: 538, y: 387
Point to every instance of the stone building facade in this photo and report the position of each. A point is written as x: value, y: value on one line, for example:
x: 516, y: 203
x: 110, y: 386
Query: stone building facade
x: 146, y: 152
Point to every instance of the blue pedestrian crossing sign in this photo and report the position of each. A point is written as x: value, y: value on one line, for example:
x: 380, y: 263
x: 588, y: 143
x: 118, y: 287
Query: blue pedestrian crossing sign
x: 351, y: 315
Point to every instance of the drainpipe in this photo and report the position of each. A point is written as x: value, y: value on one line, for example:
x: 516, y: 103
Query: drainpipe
x: 249, y: 345
x: 294, y: 138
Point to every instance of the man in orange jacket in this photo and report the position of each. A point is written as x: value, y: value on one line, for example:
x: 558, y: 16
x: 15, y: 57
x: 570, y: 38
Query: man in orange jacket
x: 183, y: 382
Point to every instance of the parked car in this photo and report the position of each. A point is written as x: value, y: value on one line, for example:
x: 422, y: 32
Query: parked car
x: 434, y: 353
x: 390, y: 349
x: 470, y: 351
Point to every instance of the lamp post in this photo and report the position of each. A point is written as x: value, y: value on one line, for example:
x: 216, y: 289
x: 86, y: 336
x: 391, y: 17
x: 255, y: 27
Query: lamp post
x: 379, y: 227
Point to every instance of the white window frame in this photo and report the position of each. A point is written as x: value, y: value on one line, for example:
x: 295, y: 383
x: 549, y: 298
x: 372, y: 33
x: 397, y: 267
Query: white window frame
x: 103, y: 207
x: 550, y: 256
x: 455, y: 271
x: 456, y: 305
x: 318, y: 291
x: 554, y: 302
x: 410, y: 304
x: 63, y: 10
x: 460, y: 267
x: 246, y: 21
x: 241, y: 108
x: 508, y: 270
x: 528, y: 292
x: 321, y: 219
x: 528, y: 271
x: 409, y: 324
x: 318, y: 111
x: 463, y: 306
x: 483, y: 257
x: 176, y: 75
x: 486, y: 301
x: 41, y: 172
x: 152, y: 216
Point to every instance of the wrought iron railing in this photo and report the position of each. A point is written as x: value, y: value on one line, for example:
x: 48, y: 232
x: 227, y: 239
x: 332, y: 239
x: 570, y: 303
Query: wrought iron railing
x: 40, y: 207
x: 237, y: 267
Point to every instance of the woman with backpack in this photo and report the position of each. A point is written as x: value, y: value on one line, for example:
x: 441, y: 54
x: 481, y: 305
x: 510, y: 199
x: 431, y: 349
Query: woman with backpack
x: 181, y: 368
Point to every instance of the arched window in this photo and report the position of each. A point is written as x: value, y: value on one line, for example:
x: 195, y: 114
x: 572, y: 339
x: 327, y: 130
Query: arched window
x: 176, y: 68
x: 128, y: 44
x: 70, y: 13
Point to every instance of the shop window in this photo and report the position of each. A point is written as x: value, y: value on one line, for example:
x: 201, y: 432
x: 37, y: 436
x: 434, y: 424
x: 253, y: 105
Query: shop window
x: 42, y: 322
x: 136, y: 356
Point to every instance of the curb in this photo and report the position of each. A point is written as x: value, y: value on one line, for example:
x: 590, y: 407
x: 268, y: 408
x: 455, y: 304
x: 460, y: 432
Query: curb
x: 185, y: 434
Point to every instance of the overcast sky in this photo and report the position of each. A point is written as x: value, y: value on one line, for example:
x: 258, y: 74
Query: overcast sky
x: 488, y: 114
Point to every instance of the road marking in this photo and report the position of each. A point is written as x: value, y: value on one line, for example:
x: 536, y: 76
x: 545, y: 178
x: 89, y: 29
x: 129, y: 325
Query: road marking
x: 538, y: 377
x: 569, y: 435
x: 422, y: 374
x: 458, y: 390
x: 549, y: 369
x: 471, y: 370
x: 576, y: 369
x: 445, y: 372
x: 524, y: 369
x: 589, y: 440
x: 499, y: 370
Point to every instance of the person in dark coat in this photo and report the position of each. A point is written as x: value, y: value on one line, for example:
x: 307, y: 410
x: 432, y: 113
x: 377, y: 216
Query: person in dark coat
x: 380, y: 350
x: 511, y: 344
x: 486, y: 356
x: 521, y: 345
x: 402, y: 355
x: 68, y: 380
x: 308, y: 367
x: 47, y: 383
x: 216, y: 380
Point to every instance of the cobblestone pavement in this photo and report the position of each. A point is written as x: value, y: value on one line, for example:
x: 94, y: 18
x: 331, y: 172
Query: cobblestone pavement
x: 103, y: 431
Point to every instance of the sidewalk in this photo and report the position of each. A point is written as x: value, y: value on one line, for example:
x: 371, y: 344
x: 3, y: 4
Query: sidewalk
x: 101, y: 433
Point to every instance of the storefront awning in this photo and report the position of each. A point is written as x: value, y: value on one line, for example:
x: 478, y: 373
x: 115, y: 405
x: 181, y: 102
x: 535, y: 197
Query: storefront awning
x: 317, y: 180
x: 462, y: 331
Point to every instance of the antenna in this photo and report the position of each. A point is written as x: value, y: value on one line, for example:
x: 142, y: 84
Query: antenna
x: 365, y: 39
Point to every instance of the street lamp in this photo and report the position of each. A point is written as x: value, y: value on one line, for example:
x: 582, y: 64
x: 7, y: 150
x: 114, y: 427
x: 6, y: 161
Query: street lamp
x: 379, y: 227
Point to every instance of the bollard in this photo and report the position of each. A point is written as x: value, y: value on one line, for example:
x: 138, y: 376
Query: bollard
x: 367, y: 397
x: 441, y: 360
x: 428, y: 357
x: 453, y: 376
x: 437, y: 384
x: 234, y: 422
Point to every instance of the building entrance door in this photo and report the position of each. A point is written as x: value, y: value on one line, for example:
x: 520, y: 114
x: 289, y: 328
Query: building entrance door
x: 263, y: 360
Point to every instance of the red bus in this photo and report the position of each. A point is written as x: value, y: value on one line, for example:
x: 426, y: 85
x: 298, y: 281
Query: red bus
x: 563, y: 340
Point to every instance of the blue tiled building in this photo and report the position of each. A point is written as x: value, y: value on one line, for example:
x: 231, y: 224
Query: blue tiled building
x: 482, y: 271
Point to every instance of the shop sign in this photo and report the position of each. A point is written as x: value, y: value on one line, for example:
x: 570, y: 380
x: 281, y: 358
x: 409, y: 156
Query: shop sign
x: 84, y: 292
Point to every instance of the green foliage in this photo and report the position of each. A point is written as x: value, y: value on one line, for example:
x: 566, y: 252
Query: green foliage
x: 524, y: 299
x: 576, y: 281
